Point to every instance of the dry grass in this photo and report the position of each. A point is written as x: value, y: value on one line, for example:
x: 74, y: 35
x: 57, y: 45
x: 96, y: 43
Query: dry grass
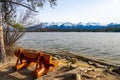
x: 11, y: 49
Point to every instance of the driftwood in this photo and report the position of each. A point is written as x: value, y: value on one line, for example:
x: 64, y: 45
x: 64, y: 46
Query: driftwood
x: 85, y: 59
x: 110, y: 68
x: 99, y: 64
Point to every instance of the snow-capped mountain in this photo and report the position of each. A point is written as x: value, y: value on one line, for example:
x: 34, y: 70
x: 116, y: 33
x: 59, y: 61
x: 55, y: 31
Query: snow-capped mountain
x: 69, y: 25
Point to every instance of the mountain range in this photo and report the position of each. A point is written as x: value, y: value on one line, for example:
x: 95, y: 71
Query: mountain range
x: 67, y: 26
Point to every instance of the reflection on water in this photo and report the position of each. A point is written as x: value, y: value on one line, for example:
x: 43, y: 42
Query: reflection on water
x: 102, y: 46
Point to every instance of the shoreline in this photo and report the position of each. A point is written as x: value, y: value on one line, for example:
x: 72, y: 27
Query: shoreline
x: 70, y: 65
x: 81, y: 57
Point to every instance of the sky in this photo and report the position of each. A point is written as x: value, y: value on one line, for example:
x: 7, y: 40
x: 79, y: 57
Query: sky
x: 75, y: 11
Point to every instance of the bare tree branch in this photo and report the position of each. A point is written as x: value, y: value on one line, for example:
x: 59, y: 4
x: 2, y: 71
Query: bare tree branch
x: 18, y: 4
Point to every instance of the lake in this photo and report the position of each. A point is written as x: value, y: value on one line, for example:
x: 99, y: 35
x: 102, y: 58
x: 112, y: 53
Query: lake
x: 98, y: 45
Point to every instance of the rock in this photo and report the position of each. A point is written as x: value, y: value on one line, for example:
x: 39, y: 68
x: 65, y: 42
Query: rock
x: 98, y: 65
x: 69, y: 76
x: 78, y: 76
x: 73, y: 60
x: 67, y: 68
x: 68, y: 57
x: 57, y: 56
x: 116, y: 70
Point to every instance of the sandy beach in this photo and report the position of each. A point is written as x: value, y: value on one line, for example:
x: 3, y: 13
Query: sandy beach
x: 69, y: 68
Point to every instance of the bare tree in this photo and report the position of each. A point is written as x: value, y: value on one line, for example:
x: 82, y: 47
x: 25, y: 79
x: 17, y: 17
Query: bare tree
x: 8, y: 10
x: 2, y: 49
x: 24, y: 19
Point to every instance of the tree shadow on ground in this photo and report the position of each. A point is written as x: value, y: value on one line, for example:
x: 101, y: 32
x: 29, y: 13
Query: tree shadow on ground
x: 10, y: 74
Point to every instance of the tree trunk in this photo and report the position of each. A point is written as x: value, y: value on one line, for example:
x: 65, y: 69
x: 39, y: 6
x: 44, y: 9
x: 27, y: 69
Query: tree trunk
x: 2, y: 48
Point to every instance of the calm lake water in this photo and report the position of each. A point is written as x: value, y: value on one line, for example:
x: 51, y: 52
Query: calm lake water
x: 101, y: 46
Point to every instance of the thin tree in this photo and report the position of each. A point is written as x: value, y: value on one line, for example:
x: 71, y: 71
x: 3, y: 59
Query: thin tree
x: 2, y: 49
x: 7, y: 9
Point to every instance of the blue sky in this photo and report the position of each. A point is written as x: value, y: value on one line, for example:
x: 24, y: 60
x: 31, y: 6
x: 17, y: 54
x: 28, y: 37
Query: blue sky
x: 102, y: 11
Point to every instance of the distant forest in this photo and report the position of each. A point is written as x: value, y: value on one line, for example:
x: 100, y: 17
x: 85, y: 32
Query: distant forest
x: 106, y: 29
